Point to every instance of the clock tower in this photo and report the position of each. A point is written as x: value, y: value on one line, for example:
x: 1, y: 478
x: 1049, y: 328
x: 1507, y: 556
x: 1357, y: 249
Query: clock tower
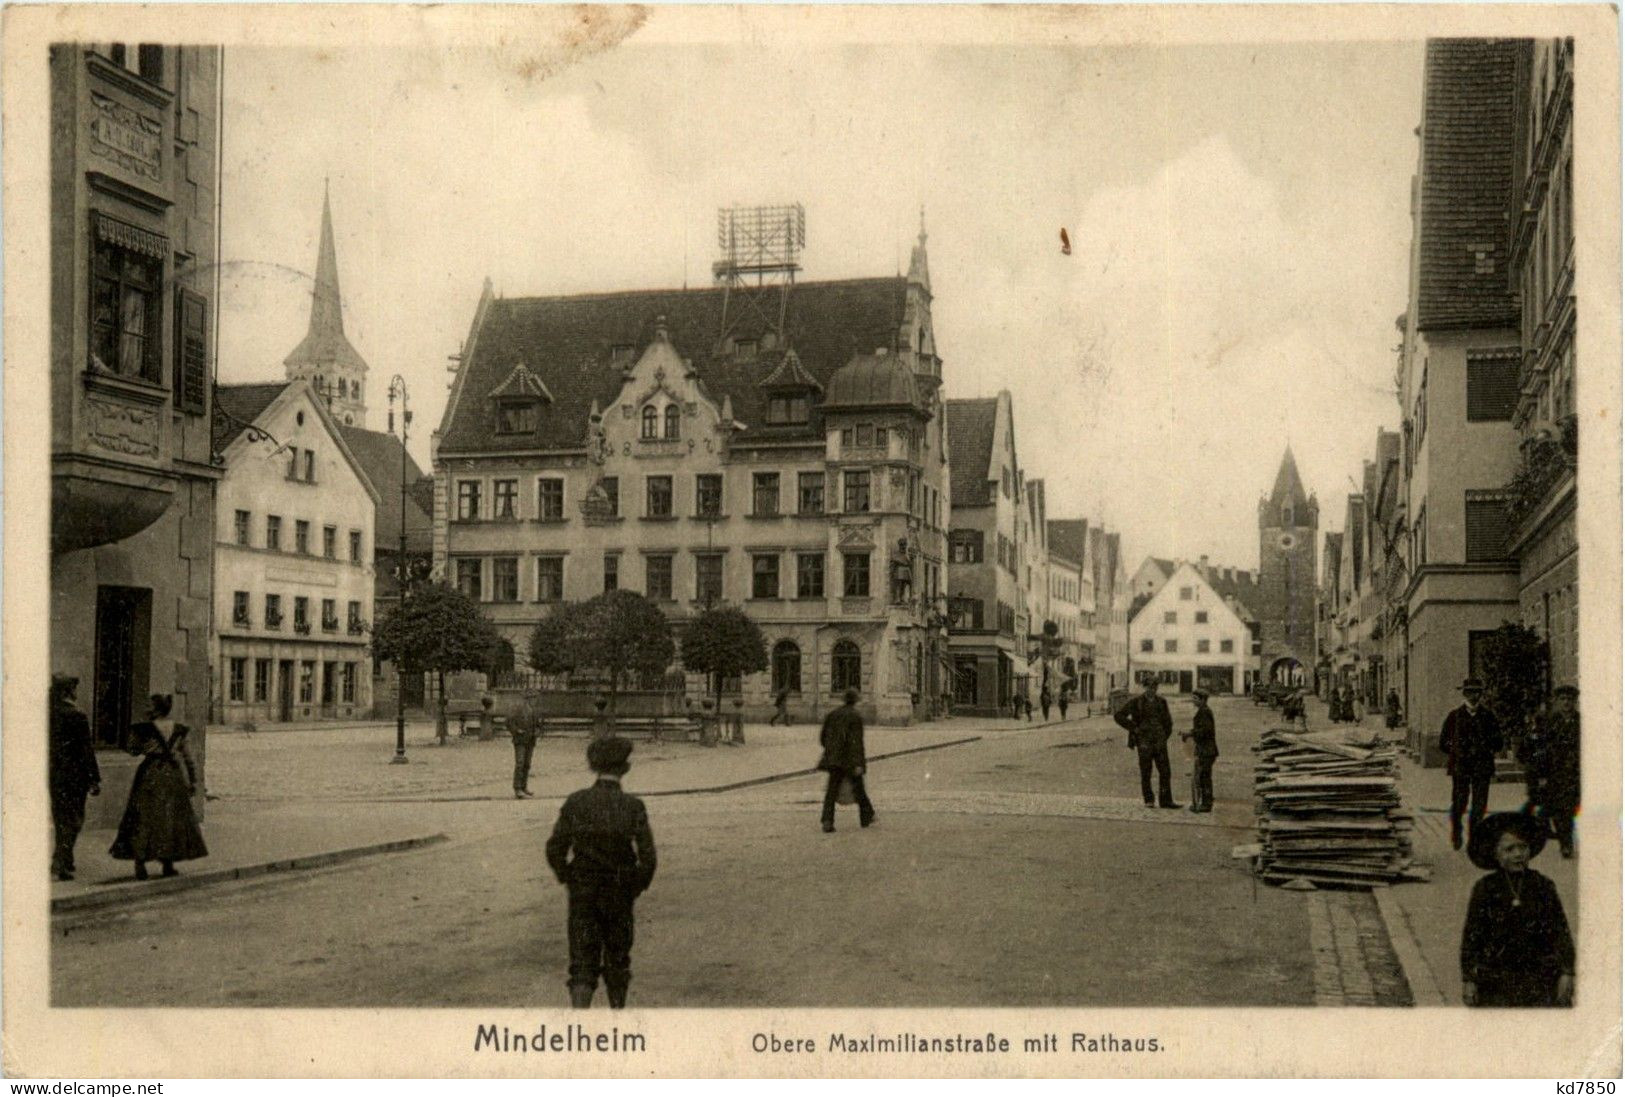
x: 1288, y: 526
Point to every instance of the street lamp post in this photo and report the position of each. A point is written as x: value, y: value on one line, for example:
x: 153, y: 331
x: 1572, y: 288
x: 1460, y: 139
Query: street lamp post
x: 397, y: 386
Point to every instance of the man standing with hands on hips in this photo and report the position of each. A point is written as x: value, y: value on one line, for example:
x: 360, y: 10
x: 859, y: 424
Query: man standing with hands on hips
x: 1149, y: 724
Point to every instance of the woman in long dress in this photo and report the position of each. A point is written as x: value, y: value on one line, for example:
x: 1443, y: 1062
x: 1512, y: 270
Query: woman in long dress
x: 158, y: 823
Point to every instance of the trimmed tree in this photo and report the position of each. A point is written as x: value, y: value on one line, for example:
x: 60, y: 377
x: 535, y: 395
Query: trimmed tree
x: 1516, y: 665
x: 618, y: 633
x: 724, y: 643
x: 435, y: 628
x: 552, y: 643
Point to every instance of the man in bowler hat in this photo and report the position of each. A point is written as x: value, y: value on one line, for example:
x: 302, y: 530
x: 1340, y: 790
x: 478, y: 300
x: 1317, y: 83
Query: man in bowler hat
x: 603, y: 850
x: 73, y: 772
x: 1149, y: 724
x: 844, y: 760
x: 1470, y: 738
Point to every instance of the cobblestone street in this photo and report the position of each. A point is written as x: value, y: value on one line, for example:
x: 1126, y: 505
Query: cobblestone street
x: 1020, y: 868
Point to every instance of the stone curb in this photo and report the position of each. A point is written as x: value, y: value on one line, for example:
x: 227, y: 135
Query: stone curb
x: 696, y: 791
x: 1425, y: 989
x: 96, y: 900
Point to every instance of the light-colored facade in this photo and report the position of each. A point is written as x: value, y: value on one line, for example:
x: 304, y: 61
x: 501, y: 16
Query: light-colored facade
x: 134, y: 179
x: 1189, y: 636
x: 803, y: 483
x: 1113, y: 597
x: 1459, y: 362
x: 293, y: 566
x: 987, y: 597
x: 1542, y: 493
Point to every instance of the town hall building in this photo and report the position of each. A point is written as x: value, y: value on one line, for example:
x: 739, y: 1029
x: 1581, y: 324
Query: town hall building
x: 780, y: 450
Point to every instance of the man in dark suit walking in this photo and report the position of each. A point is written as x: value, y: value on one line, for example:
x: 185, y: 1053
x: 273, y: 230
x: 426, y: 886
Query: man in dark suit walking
x: 1470, y: 738
x: 613, y: 861
x: 73, y: 772
x: 1149, y: 724
x: 843, y: 758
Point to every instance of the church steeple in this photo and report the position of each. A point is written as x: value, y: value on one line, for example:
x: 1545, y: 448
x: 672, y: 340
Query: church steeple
x: 325, y: 357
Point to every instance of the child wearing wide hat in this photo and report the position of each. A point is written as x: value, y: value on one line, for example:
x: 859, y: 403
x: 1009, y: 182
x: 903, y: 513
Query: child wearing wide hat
x: 1515, y: 947
x: 603, y: 850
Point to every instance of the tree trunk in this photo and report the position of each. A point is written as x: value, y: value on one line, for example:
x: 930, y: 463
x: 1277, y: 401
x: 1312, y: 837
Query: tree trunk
x: 440, y: 709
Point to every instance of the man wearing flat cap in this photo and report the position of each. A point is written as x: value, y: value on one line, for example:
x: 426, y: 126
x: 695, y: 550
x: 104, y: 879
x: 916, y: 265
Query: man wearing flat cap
x: 73, y: 772
x: 603, y: 850
x: 1551, y: 758
x: 1204, y: 742
x: 1470, y: 738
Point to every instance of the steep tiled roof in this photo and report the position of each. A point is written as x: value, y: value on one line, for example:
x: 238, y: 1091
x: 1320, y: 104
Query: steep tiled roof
x: 379, y: 455
x: 243, y: 404
x: 1240, y: 585
x: 971, y: 426
x: 1288, y: 489
x: 1069, y: 537
x: 569, y: 343
x: 1468, y: 123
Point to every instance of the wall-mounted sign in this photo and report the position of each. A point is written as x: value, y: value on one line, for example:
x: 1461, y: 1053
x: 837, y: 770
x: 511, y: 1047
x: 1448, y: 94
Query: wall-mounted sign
x: 126, y: 137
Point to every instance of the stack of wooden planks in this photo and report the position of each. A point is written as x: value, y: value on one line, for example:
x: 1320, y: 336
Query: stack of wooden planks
x: 1329, y: 810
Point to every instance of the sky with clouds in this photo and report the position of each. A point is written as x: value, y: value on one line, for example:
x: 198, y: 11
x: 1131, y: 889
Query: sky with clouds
x: 1239, y: 219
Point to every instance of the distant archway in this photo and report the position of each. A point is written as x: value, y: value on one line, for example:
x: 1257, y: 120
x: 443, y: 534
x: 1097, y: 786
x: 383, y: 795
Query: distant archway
x: 1287, y: 671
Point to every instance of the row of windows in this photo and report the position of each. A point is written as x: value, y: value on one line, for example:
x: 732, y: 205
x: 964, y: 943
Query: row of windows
x: 659, y: 500
x: 846, y: 667
x: 337, y: 681
x: 500, y: 581
x: 1171, y: 617
x: 243, y: 534
x: 241, y: 613
x: 1202, y: 646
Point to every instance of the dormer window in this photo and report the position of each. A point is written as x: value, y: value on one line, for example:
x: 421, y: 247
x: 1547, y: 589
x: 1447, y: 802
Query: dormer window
x: 744, y: 348
x: 674, y: 421
x: 518, y: 401
x: 516, y: 416
x: 788, y: 409
x: 651, y: 423
x: 621, y: 354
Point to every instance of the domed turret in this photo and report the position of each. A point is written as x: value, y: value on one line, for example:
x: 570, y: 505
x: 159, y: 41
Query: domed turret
x: 872, y: 381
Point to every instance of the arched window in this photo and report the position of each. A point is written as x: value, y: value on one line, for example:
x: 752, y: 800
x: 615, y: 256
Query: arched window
x: 846, y: 666
x: 674, y: 426
x: 651, y: 422
x: 786, y: 667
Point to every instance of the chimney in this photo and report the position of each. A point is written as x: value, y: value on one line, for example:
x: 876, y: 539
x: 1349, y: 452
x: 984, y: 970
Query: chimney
x: 1203, y: 567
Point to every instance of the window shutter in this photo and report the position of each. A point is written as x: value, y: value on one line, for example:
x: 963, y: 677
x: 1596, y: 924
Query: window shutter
x: 1492, y: 385
x: 1487, y: 529
x: 191, y: 351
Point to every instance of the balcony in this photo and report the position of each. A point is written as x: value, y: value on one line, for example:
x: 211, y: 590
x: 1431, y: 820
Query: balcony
x: 301, y: 628
x: 357, y: 628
